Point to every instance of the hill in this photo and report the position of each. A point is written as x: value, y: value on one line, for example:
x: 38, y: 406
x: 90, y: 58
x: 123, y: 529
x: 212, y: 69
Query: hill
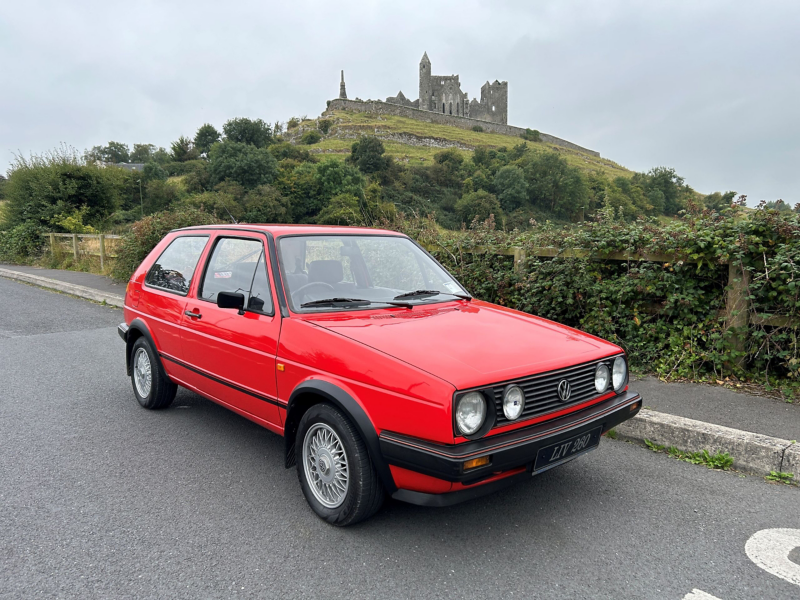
x: 415, y: 142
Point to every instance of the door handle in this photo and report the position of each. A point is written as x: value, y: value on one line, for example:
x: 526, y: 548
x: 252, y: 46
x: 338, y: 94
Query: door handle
x: 196, y: 315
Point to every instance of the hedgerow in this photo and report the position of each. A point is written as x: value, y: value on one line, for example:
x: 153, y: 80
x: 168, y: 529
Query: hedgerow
x: 669, y: 316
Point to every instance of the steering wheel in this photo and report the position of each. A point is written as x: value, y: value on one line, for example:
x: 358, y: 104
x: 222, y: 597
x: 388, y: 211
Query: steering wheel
x: 300, y: 293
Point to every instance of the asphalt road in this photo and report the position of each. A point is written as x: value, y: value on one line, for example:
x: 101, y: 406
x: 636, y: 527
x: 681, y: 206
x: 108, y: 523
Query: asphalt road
x: 102, y: 499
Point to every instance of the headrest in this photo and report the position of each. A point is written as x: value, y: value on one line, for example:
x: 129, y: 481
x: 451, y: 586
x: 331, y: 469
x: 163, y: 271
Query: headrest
x: 326, y: 271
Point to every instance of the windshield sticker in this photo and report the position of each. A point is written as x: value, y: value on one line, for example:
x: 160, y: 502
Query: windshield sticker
x: 452, y: 287
x: 223, y: 275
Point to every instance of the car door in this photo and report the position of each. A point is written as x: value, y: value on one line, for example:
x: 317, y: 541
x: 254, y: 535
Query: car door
x: 232, y: 355
x: 164, y: 292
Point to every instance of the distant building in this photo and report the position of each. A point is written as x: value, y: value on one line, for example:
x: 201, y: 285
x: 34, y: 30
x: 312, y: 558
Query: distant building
x: 128, y: 166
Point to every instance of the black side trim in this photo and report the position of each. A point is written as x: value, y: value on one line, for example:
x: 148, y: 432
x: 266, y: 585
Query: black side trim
x: 122, y: 330
x: 276, y: 275
x: 256, y: 395
x: 352, y: 409
x: 507, y: 450
x: 450, y: 498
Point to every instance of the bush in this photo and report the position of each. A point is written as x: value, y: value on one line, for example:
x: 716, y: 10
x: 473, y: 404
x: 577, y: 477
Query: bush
x: 311, y: 137
x: 146, y: 233
x: 668, y: 316
x: 532, y: 135
x: 325, y: 125
x: 22, y: 243
x: 477, y: 128
x: 242, y: 163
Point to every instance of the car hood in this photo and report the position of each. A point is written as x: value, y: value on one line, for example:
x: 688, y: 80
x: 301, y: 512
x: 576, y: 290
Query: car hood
x: 468, y: 344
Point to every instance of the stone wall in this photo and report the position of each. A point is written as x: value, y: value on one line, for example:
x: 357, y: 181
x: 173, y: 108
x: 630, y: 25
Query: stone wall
x: 384, y: 108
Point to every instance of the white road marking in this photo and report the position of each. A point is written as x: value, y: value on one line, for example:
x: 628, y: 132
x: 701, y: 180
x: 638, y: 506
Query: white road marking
x: 770, y: 548
x: 696, y: 594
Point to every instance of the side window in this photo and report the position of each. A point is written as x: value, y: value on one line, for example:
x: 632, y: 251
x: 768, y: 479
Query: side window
x: 174, y: 269
x: 238, y: 265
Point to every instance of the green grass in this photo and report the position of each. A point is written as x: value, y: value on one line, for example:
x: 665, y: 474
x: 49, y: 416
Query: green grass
x: 718, y: 460
x: 347, y: 125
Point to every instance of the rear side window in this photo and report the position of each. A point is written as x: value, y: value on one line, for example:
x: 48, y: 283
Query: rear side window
x: 174, y: 269
x: 238, y: 265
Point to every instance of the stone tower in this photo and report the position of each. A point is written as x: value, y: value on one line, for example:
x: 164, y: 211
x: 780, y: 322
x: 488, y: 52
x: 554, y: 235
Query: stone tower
x: 425, y: 89
x: 342, y: 90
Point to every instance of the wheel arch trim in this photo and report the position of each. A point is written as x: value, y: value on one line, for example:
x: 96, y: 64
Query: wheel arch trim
x: 342, y: 400
x: 141, y: 329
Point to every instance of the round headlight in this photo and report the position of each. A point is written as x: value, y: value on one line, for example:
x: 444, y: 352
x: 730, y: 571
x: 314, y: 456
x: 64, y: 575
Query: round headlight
x: 513, y: 402
x: 619, y: 373
x: 470, y: 412
x: 601, y: 377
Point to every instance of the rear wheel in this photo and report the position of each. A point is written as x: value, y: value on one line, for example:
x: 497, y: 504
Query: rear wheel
x: 151, y: 386
x: 336, y: 474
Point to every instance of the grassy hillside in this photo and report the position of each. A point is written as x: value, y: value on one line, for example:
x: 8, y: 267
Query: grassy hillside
x: 415, y: 142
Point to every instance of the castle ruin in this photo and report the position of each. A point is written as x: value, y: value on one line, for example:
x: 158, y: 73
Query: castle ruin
x: 442, y: 94
x: 441, y: 101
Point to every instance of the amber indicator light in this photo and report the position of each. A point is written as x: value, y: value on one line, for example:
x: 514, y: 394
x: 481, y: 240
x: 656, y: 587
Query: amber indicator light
x: 281, y: 367
x: 476, y: 462
x: 634, y: 407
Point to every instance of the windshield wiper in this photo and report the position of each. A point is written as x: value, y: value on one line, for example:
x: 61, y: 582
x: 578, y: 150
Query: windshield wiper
x: 426, y: 293
x: 351, y: 302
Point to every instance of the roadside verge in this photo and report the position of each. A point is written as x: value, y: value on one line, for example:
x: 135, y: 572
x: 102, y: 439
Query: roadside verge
x: 62, y: 286
x: 752, y: 452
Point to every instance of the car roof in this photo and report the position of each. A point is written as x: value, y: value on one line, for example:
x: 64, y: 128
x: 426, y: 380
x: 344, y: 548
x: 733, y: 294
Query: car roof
x: 283, y: 230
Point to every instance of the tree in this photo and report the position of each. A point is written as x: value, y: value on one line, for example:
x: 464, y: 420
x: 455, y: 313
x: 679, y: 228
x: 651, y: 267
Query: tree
x: 778, y: 205
x: 665, y: 189
x: 117, y: 152
x: 142, y: 153
x: 206, y: 136
x: 246, y: 131
x: 555, y: 186
x: 511, y: 187
x: 342, y: 209
x: 244, y: 163
x: 477, y: 205
x: 183, y: 150
x: 718, y: 202
x: 265, y: 204
x: 368, y: 154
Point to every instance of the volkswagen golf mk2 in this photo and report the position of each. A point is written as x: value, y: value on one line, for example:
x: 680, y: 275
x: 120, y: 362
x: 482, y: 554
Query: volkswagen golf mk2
x: 381, y: 372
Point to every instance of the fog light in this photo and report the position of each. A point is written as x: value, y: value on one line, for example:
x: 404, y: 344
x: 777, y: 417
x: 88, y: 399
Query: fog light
x: 476, y: 462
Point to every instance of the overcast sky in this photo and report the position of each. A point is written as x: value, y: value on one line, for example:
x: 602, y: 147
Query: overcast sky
x: 711, y: 88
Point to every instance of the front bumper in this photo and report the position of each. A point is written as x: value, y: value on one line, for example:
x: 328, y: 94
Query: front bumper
x: 122, y: 330
x: 506, y: 451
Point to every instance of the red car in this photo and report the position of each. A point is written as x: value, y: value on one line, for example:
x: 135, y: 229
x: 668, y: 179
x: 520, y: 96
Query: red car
x: 377, y: 367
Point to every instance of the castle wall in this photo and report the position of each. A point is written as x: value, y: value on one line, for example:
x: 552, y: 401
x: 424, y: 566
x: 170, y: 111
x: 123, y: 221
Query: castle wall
x: 383, y: 108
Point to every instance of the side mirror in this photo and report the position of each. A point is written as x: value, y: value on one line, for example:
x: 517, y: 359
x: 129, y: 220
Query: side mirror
x: 231, y: 300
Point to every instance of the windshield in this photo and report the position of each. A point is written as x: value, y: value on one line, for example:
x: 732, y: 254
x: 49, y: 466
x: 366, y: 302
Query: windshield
x: 346, y: 272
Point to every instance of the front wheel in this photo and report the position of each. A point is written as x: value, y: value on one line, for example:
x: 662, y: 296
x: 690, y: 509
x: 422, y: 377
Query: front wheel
x: 152, y: 388
x: 336, y: 474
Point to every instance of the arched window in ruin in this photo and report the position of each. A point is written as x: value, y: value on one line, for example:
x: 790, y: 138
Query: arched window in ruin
x: 442, y: 107
x: 451, y: 108
x: 456, y: 108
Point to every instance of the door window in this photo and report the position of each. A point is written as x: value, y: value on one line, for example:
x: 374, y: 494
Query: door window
x: 238, y: 265
x: 174, y: 269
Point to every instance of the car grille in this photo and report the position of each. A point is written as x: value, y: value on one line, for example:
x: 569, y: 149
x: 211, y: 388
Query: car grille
x: 541, y: 391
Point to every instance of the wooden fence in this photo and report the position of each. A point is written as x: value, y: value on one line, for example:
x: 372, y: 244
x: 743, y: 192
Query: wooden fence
x: 76, y: 249
x: 737, y: 311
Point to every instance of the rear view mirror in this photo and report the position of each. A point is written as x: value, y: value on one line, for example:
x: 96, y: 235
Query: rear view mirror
x: 231, y: 300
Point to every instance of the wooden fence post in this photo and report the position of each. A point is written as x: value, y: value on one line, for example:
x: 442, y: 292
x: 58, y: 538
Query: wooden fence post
x: 736, y: 309
x: 75, y: 245
x: 102, y: 251
x: 52, y: 243
x: 519, y: 259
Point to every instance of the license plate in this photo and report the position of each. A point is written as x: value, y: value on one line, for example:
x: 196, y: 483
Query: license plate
x: 553, y: 455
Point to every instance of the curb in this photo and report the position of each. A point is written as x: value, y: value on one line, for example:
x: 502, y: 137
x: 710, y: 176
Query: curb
x: 752, y: 452
x: 62, y: 286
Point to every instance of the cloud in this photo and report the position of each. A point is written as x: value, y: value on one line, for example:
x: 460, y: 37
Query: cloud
x: 706, y: 87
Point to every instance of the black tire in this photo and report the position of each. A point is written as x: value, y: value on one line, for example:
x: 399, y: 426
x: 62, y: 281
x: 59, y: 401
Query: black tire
x: 162, y: 391
x: 365, y: 493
